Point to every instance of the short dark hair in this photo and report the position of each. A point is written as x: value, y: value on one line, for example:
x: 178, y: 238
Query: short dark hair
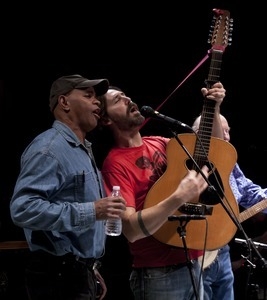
x: 102, y: 99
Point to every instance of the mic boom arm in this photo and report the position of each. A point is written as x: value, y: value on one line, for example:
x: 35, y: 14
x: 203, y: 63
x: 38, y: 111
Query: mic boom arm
x: 148, y: 111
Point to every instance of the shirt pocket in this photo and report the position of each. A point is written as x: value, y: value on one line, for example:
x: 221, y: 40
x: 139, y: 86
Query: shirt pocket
x: 86, y: 187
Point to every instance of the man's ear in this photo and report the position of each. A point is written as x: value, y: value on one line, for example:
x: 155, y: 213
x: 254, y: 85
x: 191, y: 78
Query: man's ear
x: 63, y: 102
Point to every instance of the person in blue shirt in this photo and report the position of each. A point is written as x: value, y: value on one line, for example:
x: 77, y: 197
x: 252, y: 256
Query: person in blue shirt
x: 59, y: 200
x: 218, y: 277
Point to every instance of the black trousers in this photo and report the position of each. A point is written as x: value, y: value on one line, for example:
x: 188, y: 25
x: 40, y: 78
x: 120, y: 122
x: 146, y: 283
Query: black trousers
x: 59, y: 277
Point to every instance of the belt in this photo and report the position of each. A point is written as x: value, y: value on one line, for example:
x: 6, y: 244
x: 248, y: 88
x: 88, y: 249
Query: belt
x: 67, y: 258
x: 166, y: 268
x: 89, y: 262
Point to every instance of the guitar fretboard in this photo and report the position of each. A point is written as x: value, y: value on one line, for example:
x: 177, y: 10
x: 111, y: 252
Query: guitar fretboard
x: 246, y: 214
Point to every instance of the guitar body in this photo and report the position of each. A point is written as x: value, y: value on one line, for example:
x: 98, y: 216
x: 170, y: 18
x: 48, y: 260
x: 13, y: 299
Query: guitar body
x: 219, y: 228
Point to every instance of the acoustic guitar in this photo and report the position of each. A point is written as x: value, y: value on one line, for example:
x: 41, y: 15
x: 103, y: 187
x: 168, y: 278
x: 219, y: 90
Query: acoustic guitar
x: 246, y: 214
x: 218, y: 228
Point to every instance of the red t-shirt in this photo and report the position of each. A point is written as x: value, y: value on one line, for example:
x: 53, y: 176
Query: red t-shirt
x: 135, y: 170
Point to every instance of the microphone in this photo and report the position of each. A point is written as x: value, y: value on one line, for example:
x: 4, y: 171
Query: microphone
x: 186, y: 217
x: 240, y: 241
x: 148, y: 111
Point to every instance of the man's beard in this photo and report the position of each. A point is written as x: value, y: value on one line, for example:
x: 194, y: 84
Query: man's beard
x: 130, y: 123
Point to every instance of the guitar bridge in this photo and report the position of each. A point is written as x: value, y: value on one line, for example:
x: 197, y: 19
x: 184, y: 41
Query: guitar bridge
x: 196, y: 209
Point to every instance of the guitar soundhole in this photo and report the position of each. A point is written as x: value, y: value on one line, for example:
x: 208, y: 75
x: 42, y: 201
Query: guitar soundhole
x: 214, y: 193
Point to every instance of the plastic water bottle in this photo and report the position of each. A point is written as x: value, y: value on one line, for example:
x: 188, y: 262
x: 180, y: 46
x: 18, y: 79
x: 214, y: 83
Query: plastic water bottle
x: 114, y: 226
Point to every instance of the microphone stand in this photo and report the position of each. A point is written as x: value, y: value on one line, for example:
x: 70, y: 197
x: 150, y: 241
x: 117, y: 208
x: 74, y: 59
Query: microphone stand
x: 251, y: 245
x: 254, y: 245
x: 182, y: 232
x: 181, y: 229
x: 212, y: 188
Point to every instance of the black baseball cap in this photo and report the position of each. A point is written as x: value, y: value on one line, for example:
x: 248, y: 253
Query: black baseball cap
x: 65, y: 84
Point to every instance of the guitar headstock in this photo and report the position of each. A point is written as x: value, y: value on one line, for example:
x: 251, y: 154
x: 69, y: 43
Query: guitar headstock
x: 221, y: 29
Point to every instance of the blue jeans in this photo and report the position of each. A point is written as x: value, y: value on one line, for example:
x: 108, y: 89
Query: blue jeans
x: 59, y: 278
x: 218, y: 278
x: 167, y: 283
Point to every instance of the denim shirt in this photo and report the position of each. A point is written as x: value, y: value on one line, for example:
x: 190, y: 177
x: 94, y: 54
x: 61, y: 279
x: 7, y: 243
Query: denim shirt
x: 245, y: 191
x: 53, y: 198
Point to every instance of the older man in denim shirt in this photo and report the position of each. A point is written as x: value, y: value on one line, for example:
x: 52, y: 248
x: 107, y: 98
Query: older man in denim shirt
x: 59, y: 199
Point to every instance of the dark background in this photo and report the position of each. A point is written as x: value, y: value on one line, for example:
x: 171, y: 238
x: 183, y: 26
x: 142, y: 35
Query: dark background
x: 152, y: 51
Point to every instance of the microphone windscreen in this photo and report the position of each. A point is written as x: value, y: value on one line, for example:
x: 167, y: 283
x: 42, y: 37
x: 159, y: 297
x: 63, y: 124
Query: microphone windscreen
x: 147, y: 111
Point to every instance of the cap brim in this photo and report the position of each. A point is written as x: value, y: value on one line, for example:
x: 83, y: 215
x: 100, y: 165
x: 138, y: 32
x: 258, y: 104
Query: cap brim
x: 100, y: 85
